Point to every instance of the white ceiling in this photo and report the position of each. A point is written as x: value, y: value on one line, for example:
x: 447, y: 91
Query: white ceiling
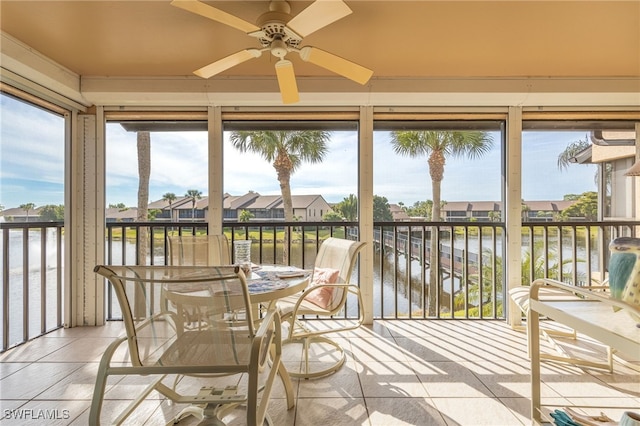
x: 412, y: 46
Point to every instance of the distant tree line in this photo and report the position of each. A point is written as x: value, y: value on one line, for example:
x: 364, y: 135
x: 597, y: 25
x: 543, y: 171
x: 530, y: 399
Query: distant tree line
x: 586, y: 207
x: 347, y: 210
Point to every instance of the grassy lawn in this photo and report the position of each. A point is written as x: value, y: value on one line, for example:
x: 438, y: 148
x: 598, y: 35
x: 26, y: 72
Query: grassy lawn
x: 268, y: 235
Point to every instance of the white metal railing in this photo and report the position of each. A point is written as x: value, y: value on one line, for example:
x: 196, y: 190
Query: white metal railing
x: 32, y: 280
x: 469, y: 267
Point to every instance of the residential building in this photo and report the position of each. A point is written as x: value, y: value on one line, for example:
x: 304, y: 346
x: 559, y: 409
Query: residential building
x: 306, y: 208
x: 167, y: 210
x: 16, y: 214
x: 121, y: 215
x: 398, y: 213
x: 491, y: 211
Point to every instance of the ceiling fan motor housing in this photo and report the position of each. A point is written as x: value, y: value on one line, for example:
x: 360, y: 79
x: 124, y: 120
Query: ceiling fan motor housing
x: 273, y: 25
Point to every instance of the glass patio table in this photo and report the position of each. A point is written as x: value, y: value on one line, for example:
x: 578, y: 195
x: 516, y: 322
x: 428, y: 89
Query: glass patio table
x: 268, y: 283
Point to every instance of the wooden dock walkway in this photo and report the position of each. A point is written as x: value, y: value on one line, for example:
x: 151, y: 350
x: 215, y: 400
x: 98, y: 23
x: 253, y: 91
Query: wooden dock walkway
x: 459, y: 264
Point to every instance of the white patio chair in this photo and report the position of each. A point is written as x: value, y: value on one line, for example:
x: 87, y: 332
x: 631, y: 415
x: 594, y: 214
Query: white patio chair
x: 325, y: 297
x: 199, y: 250
x: 225, y: 342
x: 520, y: 296
x: 196, y: 250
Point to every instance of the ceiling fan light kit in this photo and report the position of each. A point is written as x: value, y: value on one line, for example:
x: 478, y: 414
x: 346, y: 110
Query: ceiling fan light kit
x: 280, y: 33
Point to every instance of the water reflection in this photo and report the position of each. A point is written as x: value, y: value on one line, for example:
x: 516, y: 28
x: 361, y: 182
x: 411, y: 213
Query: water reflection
x: 40, y: 281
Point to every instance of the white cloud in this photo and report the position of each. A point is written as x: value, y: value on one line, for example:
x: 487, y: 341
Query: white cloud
x: 31, y: 155
x: 247, y: 171
x: 178, y: 163
x: 32, y: 166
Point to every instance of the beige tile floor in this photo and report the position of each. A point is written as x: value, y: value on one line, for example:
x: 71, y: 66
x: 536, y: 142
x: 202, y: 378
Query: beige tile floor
x: 397, y: 373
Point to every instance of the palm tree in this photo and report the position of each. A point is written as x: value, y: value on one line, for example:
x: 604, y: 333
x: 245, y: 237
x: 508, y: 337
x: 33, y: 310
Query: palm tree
x: 245, y: 216
x: 481, y: 298
x: 565, y: 158
x: 194, y: 194
x: 494, y: 216
x: 144, y: 172
x: 545, y: 263
x: 348, y: 207
x: 286, y: 151
x: 27, y: 207
x: 420, y: 209
x: 437, y: 146
x: 169, y: 197
x: 541, y: 262
x: 153, y: 213
x: 525, y: 209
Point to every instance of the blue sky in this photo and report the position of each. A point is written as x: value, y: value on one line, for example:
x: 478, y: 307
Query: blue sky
x: 31, y: 166
x: 31, y: 155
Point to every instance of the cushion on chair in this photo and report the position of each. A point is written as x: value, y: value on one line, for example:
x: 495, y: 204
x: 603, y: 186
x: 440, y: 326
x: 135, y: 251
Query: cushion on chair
x: 323, y: 296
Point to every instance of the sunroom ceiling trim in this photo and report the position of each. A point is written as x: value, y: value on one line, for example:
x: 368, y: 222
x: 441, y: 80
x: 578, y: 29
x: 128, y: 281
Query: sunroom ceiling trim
x: 42, y: 73
x: 28, y: 97
x: 34, y: 73
x: 314, y: 91
x: 155, y: 115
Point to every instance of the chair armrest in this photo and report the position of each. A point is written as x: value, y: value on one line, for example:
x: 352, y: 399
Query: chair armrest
x: 268, y: 332
x: 595, y: 287
x: 271, y: 315
x: 306, y: 291
x: 348, y: 287
x: 534, y: 293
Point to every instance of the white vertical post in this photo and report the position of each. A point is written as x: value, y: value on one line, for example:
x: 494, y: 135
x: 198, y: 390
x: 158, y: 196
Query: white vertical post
x: 70, y: 159
x: 513, y: 209
x: 636, y: 179
x: 365, y: 209
x: 88, y: 219
x: 98, y: 211
x: 216, y: 159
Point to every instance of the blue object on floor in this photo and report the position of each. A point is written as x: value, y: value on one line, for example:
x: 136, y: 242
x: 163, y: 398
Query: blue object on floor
x: 562, y: 419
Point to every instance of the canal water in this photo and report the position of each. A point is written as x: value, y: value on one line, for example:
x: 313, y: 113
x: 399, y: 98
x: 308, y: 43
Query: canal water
x: 389, y: 298
x: 39, y: 277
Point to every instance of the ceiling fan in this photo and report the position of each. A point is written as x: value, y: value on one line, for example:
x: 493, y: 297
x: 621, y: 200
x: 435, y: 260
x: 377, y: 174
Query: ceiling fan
x: 280, y: 33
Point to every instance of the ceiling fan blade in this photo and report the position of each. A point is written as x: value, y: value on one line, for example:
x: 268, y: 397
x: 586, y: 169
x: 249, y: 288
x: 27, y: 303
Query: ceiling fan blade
x: 218, y: 15
x: 227, y: 62
x: 318, y: 15
x: 287, y: 82
x: 335, y: 63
